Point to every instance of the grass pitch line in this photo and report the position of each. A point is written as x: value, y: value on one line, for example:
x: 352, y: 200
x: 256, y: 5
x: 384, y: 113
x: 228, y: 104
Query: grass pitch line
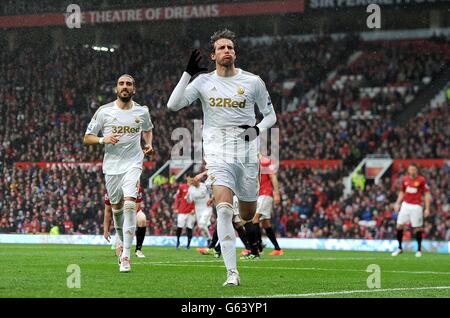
x: 179, y: 264
x: 276, y: 260
x: 347, y: 292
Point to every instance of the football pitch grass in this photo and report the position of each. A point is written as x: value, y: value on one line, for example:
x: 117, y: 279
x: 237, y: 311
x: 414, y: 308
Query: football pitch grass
x: 41, y: 271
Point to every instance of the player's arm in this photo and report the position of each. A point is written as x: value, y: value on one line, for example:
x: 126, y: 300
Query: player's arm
x: 107, y: 221
x: 93, y: 129
x: 147, y: 133
x: 427, y: 204
x: 148, y: 139
x: 265, y: 106
x: 200, y: 176
x: 401, y: 194
x: 427, y: 199
x: 177, y: 201
x: 189, y: 197
x: 90, y: 139
x: 185, y: 94
x: 276, y: 188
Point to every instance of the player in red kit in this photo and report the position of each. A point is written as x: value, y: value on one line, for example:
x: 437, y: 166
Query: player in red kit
x: 269, y: 194
x: 411, y: 211
x: 186, y: 212
x: 140, y: 228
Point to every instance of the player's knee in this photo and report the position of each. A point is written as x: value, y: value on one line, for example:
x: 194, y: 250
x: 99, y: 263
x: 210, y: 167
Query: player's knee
x: 224, y: 209
x: 225, y: 230
x: 141, y: 219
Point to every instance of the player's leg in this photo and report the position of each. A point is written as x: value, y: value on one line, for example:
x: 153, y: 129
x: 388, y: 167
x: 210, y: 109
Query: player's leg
x: 261, y: 206
x: 190, y: 222
x: 113, y: 186
x: 264, y: 210
x: 213, y: 248
x: 225, y: 231
x: 240, y: 229
x: 247, y: 189
x: 130, y: 190
x: 257, y: 223
x: 247, y: 212
x: 271, y: 235
x: 181, y: 223
x: 140, y: 233
x: 402, y: 219
x: 214, y: 239
x: 117, y: 211
x: 204, y: 222
x: 416, y: 215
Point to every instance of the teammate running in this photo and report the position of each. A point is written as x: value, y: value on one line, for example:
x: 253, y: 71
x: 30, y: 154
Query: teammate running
x: 122, y: 122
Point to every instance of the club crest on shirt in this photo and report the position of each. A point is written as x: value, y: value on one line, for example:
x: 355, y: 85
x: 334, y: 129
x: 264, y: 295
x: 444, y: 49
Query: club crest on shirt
x: 240, y: 91
x: 137, y: 120
x: 416, y: 184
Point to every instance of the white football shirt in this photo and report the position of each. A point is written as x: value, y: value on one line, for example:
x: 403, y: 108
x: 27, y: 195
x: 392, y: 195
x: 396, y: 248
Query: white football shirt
x: 127, y: 153
x: 199, y: 195
x: 228, y: 102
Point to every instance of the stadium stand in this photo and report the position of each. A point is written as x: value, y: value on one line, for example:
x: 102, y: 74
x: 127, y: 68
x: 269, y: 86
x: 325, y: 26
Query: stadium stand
x: 328, y: 119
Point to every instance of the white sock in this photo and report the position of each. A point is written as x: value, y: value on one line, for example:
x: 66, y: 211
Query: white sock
x: 226, y: 234
x: 205, y: 232
x: 129, y: 226
x: 118, y: 222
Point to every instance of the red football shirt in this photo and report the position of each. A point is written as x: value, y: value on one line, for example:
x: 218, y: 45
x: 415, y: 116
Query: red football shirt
x: 181, y: 203
x: 414, y: 189
x: 266, y: 187
x: 138, y: 199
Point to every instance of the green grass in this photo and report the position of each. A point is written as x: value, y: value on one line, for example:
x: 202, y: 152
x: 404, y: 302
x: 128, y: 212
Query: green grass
x: 40, y: 271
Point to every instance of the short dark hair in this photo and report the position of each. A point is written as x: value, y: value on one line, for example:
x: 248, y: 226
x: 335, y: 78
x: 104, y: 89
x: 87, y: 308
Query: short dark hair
x: 127, y: 75
x: 222, y: 34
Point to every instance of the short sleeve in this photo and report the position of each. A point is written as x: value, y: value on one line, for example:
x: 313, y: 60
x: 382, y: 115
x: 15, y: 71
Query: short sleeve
x: 95, y: 124
x: 147, y: 124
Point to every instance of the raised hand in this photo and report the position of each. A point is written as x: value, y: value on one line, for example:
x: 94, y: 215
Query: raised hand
x: 193, y: 68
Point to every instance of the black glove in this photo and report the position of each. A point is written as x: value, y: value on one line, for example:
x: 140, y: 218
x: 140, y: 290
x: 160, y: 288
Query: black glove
x: 250, y: 133
x: 193, y: 67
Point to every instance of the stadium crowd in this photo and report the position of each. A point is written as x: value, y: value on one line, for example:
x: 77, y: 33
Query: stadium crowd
x: 46, y: 120
x: 33, y: 200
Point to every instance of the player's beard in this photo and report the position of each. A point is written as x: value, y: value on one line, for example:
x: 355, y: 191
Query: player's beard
x: 126, y: 99
x: 226, y: 62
